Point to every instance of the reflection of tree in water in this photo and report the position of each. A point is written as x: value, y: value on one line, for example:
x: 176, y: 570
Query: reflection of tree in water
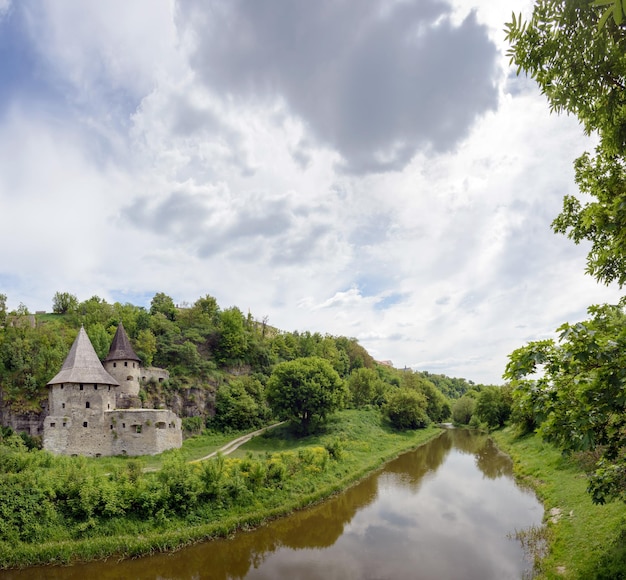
x: 468, y: 441
x: 492, y: 462
x: 409, y: 469
x: 317, y: 527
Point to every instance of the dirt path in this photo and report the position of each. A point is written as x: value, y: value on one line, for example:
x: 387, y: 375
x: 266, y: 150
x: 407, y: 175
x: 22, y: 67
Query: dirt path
x: 236, y: 443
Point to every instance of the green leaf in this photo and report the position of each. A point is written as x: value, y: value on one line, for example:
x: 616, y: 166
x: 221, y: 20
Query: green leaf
x: 617, y: 12
x: 604, y: 18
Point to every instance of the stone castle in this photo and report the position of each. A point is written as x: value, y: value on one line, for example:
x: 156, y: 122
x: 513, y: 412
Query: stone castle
x: 95, y: 410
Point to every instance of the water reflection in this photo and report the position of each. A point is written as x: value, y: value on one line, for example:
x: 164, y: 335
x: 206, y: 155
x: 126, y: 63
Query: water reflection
x: 441, y: 511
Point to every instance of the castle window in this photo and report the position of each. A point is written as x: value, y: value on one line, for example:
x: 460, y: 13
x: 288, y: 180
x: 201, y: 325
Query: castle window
x: 53, y: 424
x: 84, y: 423
x: 160, y: 425
x: 136, y: 428
x: 64, y: 424
x: 125, y: 363
x: 98, y: 454
x: 62, y: 405
x: 61, y: 386
x: 114, y: 365
x: 133, y: 365
x: 95, y: 387
x: 87, y: 405
x: 81, y: 387
x: 111, y: 426
x: 109, y: 387
x: 123, y: 425
x: 108, y: 405
x: 129, y: 378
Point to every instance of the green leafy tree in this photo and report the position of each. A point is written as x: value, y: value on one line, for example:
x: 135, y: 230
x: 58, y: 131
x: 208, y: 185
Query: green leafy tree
x: 145, y: 346
x: 100, y: 339
x: 406, y: 409
x: 366, y: 387
x: 305, y: 391
x: 493, y: 406
x: 64, y: 303
x: 582, y: 71
x: 437, y: 406
x: 240, y: 404
x: 574, y: 391
x: 3, y: 308
x: 164, y: 304
x: 463, y: 410
x: 233, y: 337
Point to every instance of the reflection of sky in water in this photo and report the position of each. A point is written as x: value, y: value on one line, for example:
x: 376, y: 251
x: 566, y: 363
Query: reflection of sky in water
x: 440, y: 512
x: 454, y: 525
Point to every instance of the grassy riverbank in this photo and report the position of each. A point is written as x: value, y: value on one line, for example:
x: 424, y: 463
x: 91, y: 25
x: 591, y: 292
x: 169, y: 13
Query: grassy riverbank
x: 79, y: 513
x: 585, y: 541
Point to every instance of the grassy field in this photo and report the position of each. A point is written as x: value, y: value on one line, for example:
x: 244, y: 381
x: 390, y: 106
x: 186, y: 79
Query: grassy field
x: 274, y: 474
x: 585, y: 541
x: 193, y: 448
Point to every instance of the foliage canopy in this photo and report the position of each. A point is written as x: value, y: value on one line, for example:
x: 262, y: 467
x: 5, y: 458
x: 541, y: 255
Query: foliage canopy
x: 305, y: 391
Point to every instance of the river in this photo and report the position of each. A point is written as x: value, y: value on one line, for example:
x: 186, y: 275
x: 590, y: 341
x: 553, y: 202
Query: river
x: 448, y: 510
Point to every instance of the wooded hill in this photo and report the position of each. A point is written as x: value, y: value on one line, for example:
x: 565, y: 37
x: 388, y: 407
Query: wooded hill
x: 219, y: 359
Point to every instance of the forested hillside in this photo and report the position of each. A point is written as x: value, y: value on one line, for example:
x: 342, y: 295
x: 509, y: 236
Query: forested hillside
x: 219, y: 359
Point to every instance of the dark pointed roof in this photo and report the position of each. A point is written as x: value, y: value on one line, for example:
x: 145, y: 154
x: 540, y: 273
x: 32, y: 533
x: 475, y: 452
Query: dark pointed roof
x: 82, y: 365
x: 120, y: 347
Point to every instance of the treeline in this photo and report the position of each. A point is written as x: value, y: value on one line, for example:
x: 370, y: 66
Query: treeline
x: 225, y: 351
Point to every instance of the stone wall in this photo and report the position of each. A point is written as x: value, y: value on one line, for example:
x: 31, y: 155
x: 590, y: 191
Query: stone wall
x: 144, y: 431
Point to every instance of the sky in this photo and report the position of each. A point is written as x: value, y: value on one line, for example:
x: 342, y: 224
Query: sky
x: 372, y: 169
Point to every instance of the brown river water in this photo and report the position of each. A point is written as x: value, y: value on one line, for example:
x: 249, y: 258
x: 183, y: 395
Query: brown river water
x: 446, y: 511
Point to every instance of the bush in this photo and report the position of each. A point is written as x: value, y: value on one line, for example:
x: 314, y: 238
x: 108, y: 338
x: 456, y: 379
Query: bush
x: 406, y: 409
x: 463, y: 409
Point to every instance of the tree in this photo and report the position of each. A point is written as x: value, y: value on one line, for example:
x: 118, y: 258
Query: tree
x: 64, y: 302
x: 582, y: 71
x: 406, y: 409
x: 366, y: 387
x: 305, y: 391
x: 240, y: 404
x: 146, y: 346
x: 164, y: 304
x: 3, y: 308
x: 575, y: 52
x: 493, y: 406
x: 574, y: 391
x: 233, y: 340
x: 463, y: 409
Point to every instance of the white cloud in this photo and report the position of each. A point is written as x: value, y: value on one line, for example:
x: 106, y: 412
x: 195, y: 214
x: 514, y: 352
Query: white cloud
x: 147, y: 177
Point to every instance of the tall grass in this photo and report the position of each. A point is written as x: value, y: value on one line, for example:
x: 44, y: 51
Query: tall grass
x: 127, y: 512
x: 585, y: 540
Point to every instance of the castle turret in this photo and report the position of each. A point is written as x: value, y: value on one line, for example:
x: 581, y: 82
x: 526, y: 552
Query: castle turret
x: 79, y: 396
x: 123, y: 364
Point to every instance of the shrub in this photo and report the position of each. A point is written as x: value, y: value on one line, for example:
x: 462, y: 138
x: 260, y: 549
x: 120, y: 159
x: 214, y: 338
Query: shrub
x: 406, y: 409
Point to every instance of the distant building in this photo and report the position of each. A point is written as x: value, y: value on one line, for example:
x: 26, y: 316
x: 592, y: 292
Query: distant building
x: 95, y: 410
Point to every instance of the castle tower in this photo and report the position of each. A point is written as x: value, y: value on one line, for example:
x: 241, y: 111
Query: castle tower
x: 79, y: 396
x: 123, y: 364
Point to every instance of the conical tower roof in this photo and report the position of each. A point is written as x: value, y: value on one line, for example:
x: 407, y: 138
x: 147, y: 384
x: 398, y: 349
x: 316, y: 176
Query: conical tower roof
x: 120, y: 347
x: 82, y: 365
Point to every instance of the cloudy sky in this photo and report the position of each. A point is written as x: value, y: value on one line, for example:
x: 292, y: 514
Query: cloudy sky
x: 372, y: 169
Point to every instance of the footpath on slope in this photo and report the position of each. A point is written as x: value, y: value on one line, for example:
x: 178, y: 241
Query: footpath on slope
x: 236, y: 443
x: 225, y: 449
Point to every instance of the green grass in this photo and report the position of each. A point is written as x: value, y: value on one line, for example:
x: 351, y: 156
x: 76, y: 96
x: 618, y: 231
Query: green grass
x: 193, y: 448
x: 351, y: 445
x: 582, y: 536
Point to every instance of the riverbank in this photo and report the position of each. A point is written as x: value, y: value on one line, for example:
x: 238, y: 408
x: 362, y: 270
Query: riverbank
x: 583, y: 539
x: 130, y: 513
